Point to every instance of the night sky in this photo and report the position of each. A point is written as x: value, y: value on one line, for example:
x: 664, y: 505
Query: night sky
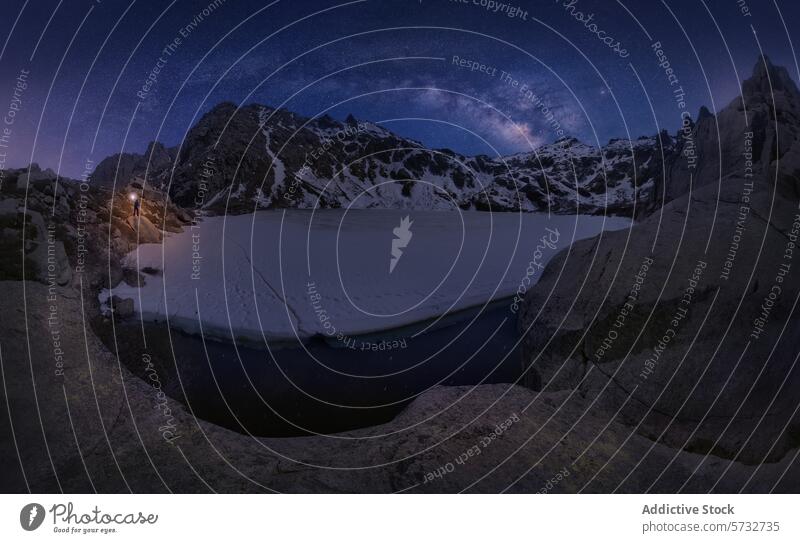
x: 385, y: 61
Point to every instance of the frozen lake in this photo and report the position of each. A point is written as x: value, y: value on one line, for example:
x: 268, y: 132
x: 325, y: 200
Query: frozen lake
x: 282, y: 275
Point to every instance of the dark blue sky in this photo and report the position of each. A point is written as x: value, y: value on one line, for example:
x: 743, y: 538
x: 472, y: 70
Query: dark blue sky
x: 394, y: 60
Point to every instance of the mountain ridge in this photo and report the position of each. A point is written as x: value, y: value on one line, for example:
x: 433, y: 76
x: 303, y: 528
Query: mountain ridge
x: 269, y: 158
x: 237, y: 159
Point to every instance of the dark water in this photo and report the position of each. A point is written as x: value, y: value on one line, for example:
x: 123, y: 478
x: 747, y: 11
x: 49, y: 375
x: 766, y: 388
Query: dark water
x: 285, y: 392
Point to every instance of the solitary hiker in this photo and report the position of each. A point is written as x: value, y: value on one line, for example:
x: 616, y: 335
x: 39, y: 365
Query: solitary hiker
x: 137, y: 204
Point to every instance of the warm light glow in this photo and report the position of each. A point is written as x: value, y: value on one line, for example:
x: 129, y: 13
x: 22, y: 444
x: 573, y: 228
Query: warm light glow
x: 133, y: 196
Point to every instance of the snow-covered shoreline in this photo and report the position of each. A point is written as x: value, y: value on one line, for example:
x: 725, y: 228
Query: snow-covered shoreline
x: 281, y: 275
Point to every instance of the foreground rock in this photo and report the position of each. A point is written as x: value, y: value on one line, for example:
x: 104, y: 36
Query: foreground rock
x: 82, y: 422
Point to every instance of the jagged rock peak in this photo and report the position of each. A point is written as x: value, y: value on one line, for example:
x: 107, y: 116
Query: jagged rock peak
x: 222, y: 107
x: 568, y: 141
x: 768, y: 78
x: 703, y: 113
x: 154, y: 147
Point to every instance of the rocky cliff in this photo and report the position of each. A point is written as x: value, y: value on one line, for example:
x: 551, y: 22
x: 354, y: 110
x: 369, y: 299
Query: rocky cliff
x: 685, y: 325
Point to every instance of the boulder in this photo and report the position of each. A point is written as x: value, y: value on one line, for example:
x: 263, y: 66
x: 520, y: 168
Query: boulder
x: 122, y: 307
x: 9, y: 206
x: 133, y: 278
x: 145, y: 231
x: 48, y: 253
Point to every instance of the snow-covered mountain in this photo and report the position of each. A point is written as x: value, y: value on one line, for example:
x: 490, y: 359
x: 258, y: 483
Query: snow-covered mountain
x: 236, y: 160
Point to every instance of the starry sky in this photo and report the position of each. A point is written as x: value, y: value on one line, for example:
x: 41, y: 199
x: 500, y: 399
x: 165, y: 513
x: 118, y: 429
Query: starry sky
x: 112, y: 75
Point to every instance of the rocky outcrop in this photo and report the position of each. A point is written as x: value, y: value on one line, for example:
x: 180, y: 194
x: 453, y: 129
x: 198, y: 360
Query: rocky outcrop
x: 123, y: 168
x: 768, y: 108
x: 57, y: 231
x: 686, y: 323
